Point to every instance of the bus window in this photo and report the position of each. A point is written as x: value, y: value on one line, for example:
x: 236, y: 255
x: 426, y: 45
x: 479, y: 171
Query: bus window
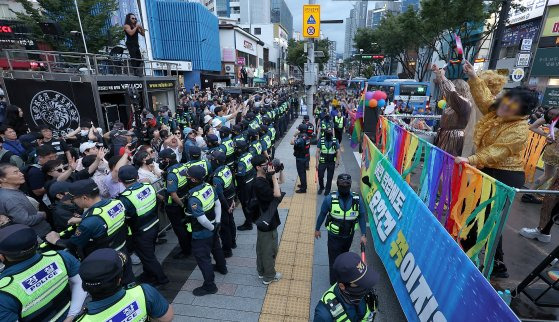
x: 413, y: 90
x: 389, y: 90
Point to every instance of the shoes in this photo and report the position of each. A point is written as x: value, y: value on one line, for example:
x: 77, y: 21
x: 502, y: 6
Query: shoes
x: 201, y: 291
x: 327, y: 192
x: 499, y: 270
x: 234, y: 245
x: 275, y: 279
x: 245, y: 226
x: 260, y: 276
x: 298, y: 186
x: 320, y: 190
x: 160, y: 241
x: 181, y: 255
x: 301, y: 191
x: 534, y: 233
x: 135, y: 259
x: 227, y: 254
x: 222, y: 271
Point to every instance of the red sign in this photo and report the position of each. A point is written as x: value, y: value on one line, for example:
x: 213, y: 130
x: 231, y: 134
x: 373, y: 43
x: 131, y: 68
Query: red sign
x: 378, y: 56
x: 5, y: 29
x: 240, y: 60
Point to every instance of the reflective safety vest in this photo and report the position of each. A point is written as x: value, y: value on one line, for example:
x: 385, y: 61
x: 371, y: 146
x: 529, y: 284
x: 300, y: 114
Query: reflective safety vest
x: 259, y: 118
x: 248, y: 174
x: 228, y: 147
x: 42, y: 290
x: 225, y: 174
x: 202, y: 163
x: 181, y: 184
x: 254, y: 125
x: 113, y: 215
x: 339, y: 122
x: 239, y: 138
x: 144, y: 200
x: 267, y: 140
x: 272, y: 132
x: 342, y: 222
x: 327, y: 154
x: 325, y: 125
x: 206, y: 195
x: 257, y: 147
x: 336, y: 308
x: 131, y: 307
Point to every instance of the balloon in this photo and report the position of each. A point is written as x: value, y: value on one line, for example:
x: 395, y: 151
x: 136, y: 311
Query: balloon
x: 368, y: 96
x: 379, y: 95
x: 381, y: 103
x: 442, y: 104
x: 373, y: 103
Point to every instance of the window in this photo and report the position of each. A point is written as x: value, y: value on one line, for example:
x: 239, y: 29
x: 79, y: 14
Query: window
x: 247, y: 30
x: 257, y: 31
x: 5, y: 12
x: 411, y: 90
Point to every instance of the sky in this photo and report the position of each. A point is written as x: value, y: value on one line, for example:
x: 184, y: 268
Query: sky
x: 329, y: 9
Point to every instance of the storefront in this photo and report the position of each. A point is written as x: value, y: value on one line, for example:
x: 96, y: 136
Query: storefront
x: 544, y: 74
x: 239, y: 48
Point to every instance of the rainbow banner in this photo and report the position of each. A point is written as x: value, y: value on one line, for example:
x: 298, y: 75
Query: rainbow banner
x: 357, y: 133
x: 469, y: 204
x: 431, y: 276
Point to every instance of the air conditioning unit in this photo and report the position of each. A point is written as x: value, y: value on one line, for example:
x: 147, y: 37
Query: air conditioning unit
x: 229, y: 68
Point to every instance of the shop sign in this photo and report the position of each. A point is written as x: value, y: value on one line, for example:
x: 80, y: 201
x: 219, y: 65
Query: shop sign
x: 118, y: 86
x: 245, y: 44
x: 546, y: 62
x: 5, y: 29
x: 517, y: 34
x: 160, y: 85
x: 183, y: 66
x: 527, y: 9
x: 526, y: 44
x: 551, y: 25
x: 240, y: 61
x: 523, y: 60
x: 551, y: 97
x: 248, y: 45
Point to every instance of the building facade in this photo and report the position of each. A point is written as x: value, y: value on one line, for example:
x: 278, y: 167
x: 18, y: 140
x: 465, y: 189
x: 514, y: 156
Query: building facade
x: 281, y: 14
x: 357, y: 19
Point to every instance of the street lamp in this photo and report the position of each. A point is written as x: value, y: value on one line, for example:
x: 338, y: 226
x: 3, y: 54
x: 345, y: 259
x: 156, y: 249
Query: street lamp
x: 360, y: 60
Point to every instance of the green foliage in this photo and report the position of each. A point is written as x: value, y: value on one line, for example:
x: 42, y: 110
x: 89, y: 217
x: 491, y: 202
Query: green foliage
x: 95, y: 15
x: 296, y: 53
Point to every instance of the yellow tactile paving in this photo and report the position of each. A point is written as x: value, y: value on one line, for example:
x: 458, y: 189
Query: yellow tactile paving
x: 289, y: 299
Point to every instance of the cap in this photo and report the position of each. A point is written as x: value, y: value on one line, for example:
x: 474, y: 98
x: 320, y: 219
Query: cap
x: 86, y: 146
x: 167, y: 154
x: 101, y: 266
x: 194, y: 152
x: 236, y: 128
x: 187, y: 130
x: 302, y: 128
x: 306, y: 117
x: 241, y: 145
x: 350, y: 269
x: 150, y: 116
x: 252, y: 132
x: 267, y: 120
x: 207, y: 118
x: 17, y: 238
x: 344, y: 179
x: 219, y: 156
x: 197, y: 172
x: 58, y: 187
x: 263, y: 128
x: 128, y: 174
x: 80, y: 188
x: 212, y: 138
x: 224, y: 130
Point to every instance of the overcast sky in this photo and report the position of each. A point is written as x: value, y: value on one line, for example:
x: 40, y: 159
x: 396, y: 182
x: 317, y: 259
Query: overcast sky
x: 329, y: 9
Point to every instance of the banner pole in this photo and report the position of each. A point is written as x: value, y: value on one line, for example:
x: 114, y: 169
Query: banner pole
x: 487, y: 268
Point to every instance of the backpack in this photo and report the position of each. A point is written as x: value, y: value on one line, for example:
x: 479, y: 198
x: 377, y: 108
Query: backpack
x: 6, y: 156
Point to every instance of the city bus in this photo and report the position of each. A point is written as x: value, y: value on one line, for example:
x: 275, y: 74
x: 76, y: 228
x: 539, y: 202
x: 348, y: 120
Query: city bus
x: 410, y: 92
x: 356, y: 85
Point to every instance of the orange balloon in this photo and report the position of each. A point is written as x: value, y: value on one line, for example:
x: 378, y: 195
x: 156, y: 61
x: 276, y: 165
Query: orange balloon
x: 373, y: 103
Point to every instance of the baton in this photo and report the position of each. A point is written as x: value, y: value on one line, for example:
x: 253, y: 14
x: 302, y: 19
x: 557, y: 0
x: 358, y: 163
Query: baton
x: 62, y: 234
x: 363, y: 257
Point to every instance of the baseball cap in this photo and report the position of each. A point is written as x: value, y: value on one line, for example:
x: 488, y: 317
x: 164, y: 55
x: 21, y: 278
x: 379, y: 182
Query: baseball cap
x: 302, y: 128
x: 59, y: 187
x: 219, y: 156
x: 212, y: 138
x: 350, y: 269
x: 101, y: 266
x: 207, y: 118
x: 197, y: 172
x: 167, y: 154
x: 216, y: 123
x: 187, y: 130
x: 17, y: 238
x: 128, y: 174
x: 80, y: 188
x: 86, y: 146
x: 194, y: 152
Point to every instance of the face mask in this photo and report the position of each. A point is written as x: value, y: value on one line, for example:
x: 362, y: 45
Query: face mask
x: 344, y: 190
x: 354, y: 295
x: 84, y: 132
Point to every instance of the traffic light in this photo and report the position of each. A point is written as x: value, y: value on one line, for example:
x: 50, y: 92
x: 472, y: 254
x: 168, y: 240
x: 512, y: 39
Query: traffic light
x: 366, y: 56
x: 378, y: 56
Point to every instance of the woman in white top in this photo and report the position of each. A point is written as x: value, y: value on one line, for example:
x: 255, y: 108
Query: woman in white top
x: 147, y: 169
x: 174, y: 143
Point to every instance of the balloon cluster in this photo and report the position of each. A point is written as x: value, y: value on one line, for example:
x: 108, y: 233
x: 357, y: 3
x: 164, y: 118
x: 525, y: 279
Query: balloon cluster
x: 442, y: 104
x: 376, y: 99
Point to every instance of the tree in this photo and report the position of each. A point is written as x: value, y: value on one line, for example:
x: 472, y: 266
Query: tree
x: 95, y: 15
x: 296, y: 53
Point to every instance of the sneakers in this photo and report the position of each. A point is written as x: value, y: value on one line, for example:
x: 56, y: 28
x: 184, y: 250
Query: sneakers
x: 222, y: 271
x: 201, y: 291
x: 245, y: 226
x: 275, y: 279
x: 135, y: 259
x: 534, y: 233
x: 320, y: 191
x: 499, y: 270
x: 301, y: 190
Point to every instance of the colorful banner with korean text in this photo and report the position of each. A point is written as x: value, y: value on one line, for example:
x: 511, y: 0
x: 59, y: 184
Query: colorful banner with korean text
x: 432, y: 277
x: 469, y: 204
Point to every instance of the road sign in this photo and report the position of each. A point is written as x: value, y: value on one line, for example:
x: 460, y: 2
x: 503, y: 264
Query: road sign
x: 517, y: 74
x: 311, y: 21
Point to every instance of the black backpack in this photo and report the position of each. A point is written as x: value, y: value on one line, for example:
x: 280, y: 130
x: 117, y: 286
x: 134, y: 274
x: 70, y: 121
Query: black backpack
x: 6, y: 156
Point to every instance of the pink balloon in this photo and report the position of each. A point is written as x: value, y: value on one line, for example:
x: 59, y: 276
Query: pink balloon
x: 368, y: 96
x: 379, y: 95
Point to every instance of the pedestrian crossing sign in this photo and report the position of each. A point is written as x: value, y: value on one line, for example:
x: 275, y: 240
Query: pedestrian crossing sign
x: 311, y: 21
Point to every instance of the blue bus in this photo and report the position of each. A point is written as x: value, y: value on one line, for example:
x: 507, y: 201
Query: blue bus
x: 356, y: 85
x: 408, y: 91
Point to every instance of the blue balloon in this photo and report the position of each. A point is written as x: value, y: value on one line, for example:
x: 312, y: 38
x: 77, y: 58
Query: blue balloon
x: 381, y: 103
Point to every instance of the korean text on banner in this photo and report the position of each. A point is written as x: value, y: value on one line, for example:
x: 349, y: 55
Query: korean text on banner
x: 432, y: 277
x: 311, y: 21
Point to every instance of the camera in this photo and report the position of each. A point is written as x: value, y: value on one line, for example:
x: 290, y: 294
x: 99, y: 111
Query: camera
x: 278, y: 166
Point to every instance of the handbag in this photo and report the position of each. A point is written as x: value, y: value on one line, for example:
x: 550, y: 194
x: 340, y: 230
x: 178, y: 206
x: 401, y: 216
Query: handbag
x: 264, y: 221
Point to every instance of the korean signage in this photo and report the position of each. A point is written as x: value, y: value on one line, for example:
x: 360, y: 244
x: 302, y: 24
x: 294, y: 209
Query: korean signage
x: 311, y: 21
x: 240, y: 60
x: 116, y: 86
x: 546, y: 62
x: 523, y: 60
x: 528, y: 9
x: 551, y: 97
x: 526, y: 44
x: 279, y: 32
x: 183, y: 66
x: 160, y: 85
x: 245, y: 44
x: 515, y: 35
x: 551, y: 25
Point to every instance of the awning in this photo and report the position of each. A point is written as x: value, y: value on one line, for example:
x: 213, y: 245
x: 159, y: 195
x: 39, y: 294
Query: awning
x: 258, y: 80
x: 215, y: 77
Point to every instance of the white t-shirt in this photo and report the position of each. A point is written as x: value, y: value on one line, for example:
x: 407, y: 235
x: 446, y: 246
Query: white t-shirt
x: 147, y: 176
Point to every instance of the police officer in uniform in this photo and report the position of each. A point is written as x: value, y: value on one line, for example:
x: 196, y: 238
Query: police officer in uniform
x: 101, y: 226
x: 204, y: 214
x: 327, y: 159
x: 351, y: 297
x: 244, y: 176
x: 255, y: 146
x: 101, y: 273
x: 339, y: 124
x: 174, y: 203
x: 265, y: 139
x: 227, y: 145
x: 272, y: 134
x: 224, y: 186
x: 140, y: 202
x: 212, y: 142
x: 342, y: 209
x: 299, y: 143
x: 196, y: 159
x: 35, y: 286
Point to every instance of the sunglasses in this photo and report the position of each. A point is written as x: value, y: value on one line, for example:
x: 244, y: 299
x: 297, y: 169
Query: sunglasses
x: 61, y: 169
x: 177, y: 133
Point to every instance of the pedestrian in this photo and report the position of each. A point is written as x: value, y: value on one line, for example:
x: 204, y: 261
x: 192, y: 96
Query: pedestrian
x: 351, y: 296
x: 204, y: 216
x: 140, y: 202
x: 265, y: 188
x: 37, y: 286
x: 102, y: 225
x: 342, y: 209
x: 299, y: 142
x: 102, y: 272
x: 327, y: 159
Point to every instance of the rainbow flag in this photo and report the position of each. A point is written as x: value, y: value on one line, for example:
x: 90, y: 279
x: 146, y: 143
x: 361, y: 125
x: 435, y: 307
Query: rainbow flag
x: 357, y: 132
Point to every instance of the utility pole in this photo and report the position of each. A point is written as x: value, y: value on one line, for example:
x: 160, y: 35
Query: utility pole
x: 310, y: 59
x: 498, y: 34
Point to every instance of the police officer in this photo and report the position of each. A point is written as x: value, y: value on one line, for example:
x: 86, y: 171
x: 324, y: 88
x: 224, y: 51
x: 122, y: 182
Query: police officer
x: 272, y: 134
x: 196, y: 159
x: 244, y: 176
x: 255, y: 146
x: 351, y: 297
x: 299, y: 143
x: 34, y: 286
x: 101, y: 273
x: 265, y: 139
x: 325, y: 124
x: 237, y: 133
x: 327, y: 159
x: 341, y: 209
x: 174, y: 203
x: 204, y: 214
x: 339, y: 124
x: 227, y: 145
x: 140, y: 202
x: 213, y: 142
x: 224, y: 186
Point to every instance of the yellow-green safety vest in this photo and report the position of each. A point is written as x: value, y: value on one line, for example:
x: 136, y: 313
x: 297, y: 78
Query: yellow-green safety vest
x: 131, y: 308
x: 257, y: 147
x: 272, y: 133
x: 339, y: 122
x: 226, y: 175
x: 113, y: 214
x: 202, y: 163
x: 206, y: 196
x: 182, y: 188
x: 327, y: 154
x: 42, y: 290
x: 342, y: 222
x: 144, y: 200
x: 336, y: 308
x: 229, y: 147
x: 268, y: 140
